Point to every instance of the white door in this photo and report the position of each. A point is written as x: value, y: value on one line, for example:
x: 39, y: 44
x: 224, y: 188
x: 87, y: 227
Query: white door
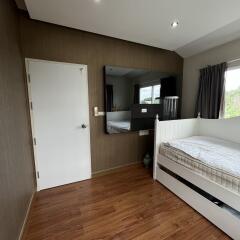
x: 58, y: 95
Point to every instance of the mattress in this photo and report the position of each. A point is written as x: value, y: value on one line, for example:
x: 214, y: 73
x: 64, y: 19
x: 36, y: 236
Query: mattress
x: 212, y: 158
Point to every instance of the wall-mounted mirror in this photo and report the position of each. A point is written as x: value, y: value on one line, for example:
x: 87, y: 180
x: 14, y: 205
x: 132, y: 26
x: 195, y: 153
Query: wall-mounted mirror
x: 133, y: 97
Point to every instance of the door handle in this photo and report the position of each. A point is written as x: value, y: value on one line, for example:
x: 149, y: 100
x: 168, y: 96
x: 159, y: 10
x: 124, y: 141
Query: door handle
x: 84, y: 126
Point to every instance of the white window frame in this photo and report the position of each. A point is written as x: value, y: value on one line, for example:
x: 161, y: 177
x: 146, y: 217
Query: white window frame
x: 230, y: 67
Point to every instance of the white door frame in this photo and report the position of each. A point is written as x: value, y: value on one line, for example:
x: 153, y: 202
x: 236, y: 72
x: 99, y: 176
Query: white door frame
x: 84, y: 71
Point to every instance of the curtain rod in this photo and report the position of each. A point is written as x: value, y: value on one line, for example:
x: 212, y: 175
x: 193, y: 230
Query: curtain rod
x: 228, y: 62
x: 234, y: 60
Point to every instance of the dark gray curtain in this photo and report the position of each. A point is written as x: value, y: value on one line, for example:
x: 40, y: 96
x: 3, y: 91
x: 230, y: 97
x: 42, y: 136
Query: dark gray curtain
x: 109, y: 89
x: 211, y: 91
x: 136, y: 95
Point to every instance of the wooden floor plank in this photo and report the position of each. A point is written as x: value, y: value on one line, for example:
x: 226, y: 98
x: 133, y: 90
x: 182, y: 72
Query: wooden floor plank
x: 126, y: 204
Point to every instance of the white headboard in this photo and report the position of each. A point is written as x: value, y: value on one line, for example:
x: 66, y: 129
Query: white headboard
x: 118, y: 116
x: 228, y: 129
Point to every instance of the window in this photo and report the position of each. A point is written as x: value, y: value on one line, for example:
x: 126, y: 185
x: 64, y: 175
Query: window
x: 150, y: 94
x: 232, y: 93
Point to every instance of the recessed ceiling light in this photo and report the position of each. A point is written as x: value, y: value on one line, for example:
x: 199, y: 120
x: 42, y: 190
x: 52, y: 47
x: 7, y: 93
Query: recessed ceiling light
x: 174, y: 24
x: 97, y: 1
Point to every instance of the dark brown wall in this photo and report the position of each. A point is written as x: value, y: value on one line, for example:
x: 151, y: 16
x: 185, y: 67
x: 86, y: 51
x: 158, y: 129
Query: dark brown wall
x: 16, y: 170
x: 51, y: 42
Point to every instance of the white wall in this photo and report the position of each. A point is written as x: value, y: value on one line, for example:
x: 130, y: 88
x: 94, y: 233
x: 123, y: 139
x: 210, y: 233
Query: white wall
x: 191, y: 68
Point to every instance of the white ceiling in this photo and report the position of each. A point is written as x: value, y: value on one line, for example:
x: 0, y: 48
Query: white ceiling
x: 203, y: 23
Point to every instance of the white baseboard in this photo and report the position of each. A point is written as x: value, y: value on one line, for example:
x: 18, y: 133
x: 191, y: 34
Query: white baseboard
x: 26, y: 216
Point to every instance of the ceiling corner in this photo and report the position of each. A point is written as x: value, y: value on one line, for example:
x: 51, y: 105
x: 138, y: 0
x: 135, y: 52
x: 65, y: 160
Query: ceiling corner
x: 21, y: 4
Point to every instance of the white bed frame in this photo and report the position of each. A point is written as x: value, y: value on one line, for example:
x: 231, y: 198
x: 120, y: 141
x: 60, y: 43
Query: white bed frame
x: 228, y: 129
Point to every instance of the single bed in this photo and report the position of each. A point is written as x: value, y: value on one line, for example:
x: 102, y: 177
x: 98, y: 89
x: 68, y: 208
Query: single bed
x: 199, y: 161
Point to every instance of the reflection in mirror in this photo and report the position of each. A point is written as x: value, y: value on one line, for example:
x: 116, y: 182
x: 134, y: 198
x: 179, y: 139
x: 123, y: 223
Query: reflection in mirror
x: 133, y: 97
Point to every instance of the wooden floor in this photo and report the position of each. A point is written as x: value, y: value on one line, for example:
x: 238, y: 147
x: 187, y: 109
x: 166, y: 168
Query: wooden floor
x: 126, y: 204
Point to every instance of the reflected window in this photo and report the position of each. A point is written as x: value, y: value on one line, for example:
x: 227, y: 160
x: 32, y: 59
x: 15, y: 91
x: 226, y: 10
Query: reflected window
x: 150, y: 94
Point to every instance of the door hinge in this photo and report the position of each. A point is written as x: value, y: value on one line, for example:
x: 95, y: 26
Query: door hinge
x: 34, y: 141
x: 29, y: 79
x: 31, y: 105
x: 38, y: 174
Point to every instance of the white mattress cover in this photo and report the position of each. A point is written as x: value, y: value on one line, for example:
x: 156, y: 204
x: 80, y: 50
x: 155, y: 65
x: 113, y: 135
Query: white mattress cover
x: 217, y: 153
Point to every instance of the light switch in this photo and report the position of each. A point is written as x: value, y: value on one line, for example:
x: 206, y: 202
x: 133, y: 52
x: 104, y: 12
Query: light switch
x: 96, y: 113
